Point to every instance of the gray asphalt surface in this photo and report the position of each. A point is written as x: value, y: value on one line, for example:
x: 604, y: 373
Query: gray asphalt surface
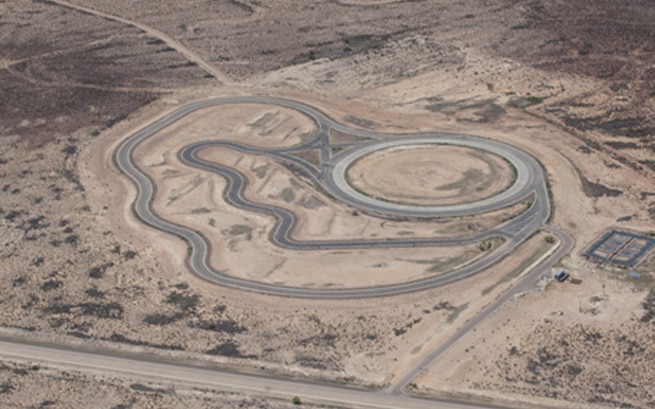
x: 529, y: 182
x: 527, y: 172
x: 137, y: 368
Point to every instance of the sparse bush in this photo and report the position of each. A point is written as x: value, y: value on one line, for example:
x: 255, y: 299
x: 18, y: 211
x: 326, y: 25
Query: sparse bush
x: 19, y: 281
x: 6, y: 387
x: 72, y: 239
x: 116, y: 337
x: 111, y: 310
x: 225, y: 326
x: 69, y: 150
x: 185, y: 302
x: 161, y: 319
x: 649, y: 306
x: 35, y: 223
x: 524, y: 102
x: 11, y: 216
x: 95, y: 293
x: 227, y: 348
x: 443, y: 305
x: 51, y: 285
x: 99, y: 271
x: 296, y: 400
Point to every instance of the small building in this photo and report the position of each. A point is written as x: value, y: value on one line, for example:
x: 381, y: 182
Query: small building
x: 561, y: 275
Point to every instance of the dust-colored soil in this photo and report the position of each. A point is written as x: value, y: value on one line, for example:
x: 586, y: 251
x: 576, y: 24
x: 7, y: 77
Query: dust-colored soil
x: 322, y: 217
x: 571, y: 83
x: 559, y: 346
x: 38, y: 386
x: 429, y: 175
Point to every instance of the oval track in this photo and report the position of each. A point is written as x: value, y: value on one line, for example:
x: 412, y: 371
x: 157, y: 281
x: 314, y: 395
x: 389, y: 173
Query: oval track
x: 529, y: 182
x: 525, y: 167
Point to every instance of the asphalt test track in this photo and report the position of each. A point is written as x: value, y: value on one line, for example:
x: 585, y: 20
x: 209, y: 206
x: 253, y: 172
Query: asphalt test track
x: 529, y: 182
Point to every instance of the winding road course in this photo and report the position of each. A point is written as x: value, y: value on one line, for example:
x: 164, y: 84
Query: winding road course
x: 529, y: 182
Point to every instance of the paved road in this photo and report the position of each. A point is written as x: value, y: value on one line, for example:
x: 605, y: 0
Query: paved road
x: 527, y: 169
x: 286, y: 220
x: 529, y: 181
x: 109, y: 363
x: 528, y: 281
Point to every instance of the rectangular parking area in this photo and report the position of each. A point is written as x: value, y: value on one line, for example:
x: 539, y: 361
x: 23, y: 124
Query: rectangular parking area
x: 620, y: 248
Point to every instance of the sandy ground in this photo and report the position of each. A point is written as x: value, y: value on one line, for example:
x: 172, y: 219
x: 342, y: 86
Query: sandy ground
x: 30, y: 386
x: 592, y: 324
x: 429, y: 176
x: 490, y: 284
x: 536, y: 139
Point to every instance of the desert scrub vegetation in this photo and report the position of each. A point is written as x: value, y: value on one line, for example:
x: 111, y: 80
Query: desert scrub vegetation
x: 649, y: 307
x: 581, y: 363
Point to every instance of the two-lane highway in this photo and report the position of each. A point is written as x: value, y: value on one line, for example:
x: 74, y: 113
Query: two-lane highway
x: 177, y: 374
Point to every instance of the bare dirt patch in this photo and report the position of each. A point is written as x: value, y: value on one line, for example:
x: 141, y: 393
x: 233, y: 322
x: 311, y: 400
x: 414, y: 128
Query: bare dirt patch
x: 322, y: 217
x: 430, y: 175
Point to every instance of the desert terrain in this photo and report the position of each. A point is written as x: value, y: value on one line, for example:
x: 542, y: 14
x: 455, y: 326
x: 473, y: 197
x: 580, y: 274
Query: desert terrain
x: 569, y: 83
x: 39, y: 386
